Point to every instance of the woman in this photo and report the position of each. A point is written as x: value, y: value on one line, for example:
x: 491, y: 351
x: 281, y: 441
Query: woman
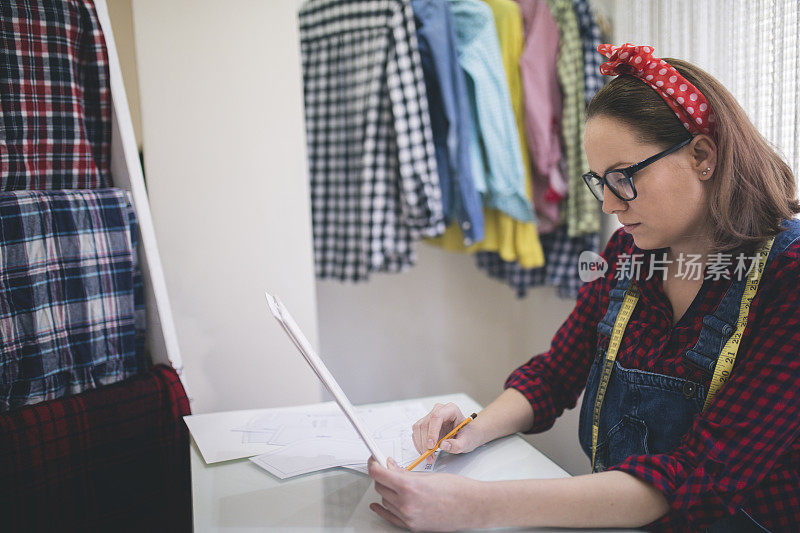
x: 690, y: 416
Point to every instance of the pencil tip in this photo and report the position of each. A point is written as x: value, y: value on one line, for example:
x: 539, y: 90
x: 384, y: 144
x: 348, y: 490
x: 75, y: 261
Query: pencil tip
x: 474, y: 415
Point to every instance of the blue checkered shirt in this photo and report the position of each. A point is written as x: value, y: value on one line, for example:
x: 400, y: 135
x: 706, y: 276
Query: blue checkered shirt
x: 71, y: 299
x: 560, y: 270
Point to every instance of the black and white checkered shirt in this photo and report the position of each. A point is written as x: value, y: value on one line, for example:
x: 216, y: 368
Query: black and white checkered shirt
x: 374, y: 184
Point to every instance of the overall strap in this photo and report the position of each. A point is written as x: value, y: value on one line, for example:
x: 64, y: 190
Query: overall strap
x: 717, y: 340
x: 786, y: 238
x: 727, y: 357
x: 616, y: 296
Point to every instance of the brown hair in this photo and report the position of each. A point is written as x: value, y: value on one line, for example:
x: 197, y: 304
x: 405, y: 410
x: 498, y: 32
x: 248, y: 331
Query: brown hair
x: 752, y: 189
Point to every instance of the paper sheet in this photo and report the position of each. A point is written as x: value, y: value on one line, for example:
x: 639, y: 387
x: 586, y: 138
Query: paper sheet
x: 237, y: 434
x: 216, y: 442
x: 285, y: 429
x: 297, y: 337
x: 381, y: 422
x: 311, y: 455
x: 314, y: 442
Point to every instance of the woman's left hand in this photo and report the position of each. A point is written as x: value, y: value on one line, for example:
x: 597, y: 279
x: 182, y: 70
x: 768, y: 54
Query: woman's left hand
x: 423, y: 501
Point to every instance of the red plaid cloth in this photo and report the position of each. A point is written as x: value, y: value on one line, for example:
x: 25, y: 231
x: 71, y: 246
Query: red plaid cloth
x: 55, y: 125
x: 110, y: 459
x: 744, y: 450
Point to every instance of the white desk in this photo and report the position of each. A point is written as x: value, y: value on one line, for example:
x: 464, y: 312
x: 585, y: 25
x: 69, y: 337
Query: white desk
x: 239, y: 496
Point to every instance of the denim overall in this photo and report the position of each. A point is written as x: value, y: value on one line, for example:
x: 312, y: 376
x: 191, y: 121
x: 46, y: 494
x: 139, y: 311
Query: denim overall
x: 648, y: 413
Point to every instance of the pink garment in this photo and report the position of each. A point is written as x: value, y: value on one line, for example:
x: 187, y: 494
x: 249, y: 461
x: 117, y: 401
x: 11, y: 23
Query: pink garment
x: 542, y: 95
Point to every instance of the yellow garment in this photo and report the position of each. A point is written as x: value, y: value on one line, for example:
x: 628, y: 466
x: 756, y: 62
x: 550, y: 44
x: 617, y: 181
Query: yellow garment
x: 510, y: 238
x: 513, y: 240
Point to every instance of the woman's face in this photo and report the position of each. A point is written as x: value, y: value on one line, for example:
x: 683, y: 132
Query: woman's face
x: 670, y: 206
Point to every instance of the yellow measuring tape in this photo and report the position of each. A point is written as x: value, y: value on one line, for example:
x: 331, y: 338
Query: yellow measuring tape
x: 725, y: 361
x: 728, y: 354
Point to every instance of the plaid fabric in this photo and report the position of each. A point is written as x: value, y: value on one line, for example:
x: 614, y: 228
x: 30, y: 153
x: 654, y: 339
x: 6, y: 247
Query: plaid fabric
x: 590, y: 38
x: 560, y: 264
x: 139, y: 308
x: 111, y: 459
x: 70, y: 293
x: 374, y: 182
x: 744, y: 450
x: 55, y: 130
x: 583, y: 210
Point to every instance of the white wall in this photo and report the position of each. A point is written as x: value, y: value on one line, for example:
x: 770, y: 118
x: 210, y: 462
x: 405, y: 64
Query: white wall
x: 121, y: 15
x: 225, y: 160
x: 223, y: 137
x: 442, y: 327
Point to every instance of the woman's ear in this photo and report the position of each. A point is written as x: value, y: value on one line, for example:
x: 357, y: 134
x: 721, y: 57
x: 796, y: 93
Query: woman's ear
x: 703, y: 154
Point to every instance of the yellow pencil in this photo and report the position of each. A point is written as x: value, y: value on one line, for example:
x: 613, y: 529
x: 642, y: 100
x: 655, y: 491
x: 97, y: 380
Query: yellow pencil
x: 455, y: 430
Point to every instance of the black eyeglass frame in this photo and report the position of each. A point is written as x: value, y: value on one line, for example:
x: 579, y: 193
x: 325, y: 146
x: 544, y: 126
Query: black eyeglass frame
x: 628, y: 172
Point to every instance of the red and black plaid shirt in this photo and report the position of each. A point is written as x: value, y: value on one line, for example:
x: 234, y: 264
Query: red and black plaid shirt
x: 115, y: 458
x: 744, y: 450
x: 55, y: 97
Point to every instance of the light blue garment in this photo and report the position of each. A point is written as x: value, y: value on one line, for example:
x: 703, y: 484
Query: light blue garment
x: 497, y: 165
x: 450, y: 116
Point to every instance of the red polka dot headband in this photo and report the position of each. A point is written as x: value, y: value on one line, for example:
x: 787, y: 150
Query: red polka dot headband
x: 680, y: 95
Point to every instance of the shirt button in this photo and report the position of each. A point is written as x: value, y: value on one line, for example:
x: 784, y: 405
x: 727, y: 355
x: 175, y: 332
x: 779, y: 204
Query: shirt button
x: 467, y: 241
x: 466, y: 225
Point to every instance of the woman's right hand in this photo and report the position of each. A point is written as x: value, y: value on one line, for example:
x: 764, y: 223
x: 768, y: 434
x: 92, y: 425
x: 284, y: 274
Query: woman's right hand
x: 439, y: 422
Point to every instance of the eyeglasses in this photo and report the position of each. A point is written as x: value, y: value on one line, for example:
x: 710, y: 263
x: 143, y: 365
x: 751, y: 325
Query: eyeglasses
x: 620, y: 180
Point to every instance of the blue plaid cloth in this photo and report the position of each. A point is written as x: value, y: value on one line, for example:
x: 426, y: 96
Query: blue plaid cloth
x: 560, y: 270
x: 71, y: 299
x: 590, y: 38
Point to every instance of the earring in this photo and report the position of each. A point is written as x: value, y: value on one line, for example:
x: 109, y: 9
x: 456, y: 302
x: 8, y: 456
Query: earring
x: 706, y: 171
